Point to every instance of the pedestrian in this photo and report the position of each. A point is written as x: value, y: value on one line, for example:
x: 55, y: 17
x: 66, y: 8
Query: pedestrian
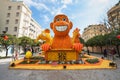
x: 88, y: 52
x: 32, y: 50
x: 105, y: 53
x: 16, y: 55
x: 113, y: 52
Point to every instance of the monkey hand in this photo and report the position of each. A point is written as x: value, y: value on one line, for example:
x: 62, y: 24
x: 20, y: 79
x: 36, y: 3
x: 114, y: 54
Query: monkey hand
x: 45, y: 47
x: 77, y: 46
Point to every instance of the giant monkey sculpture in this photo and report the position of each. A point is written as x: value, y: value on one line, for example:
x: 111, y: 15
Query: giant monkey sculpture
x: 61, y: 40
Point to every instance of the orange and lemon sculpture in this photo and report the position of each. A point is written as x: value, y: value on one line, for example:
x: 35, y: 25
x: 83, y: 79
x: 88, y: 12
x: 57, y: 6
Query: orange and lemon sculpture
x: 61, y: 47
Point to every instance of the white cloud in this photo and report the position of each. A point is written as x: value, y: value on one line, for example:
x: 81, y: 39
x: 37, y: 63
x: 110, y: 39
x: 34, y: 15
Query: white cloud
x: 36, y: 4
x: 28, y: 2
x: 53, y: 1
x: 41, y: 6
x: 66, y: 1
x: 46, y: 18
x: 59, y: 10
x: 98, y: 3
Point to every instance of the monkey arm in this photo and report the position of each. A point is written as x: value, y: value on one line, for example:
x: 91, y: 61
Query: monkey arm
x: 38, y: 38
x: 45, y: 47
x: 77, y: 46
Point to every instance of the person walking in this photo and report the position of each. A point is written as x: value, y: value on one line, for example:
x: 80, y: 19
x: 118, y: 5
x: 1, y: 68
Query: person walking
x: 16, y: 55
x: 88, y: 52
x: 105, y: 53
x: 113, y: 52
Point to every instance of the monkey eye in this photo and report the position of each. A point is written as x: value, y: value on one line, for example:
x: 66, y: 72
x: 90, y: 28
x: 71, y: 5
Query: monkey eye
x: 64, y: 19
x: 57, y: 19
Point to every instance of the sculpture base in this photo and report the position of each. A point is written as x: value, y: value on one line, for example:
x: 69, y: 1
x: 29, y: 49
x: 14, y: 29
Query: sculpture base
x: 61, y: 55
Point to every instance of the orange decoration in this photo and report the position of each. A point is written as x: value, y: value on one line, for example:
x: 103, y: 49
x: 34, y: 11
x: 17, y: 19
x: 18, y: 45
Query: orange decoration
x: 61, y: 27
x: 45, y: 47
x: 61, y: 40
x: 5, y: 37
x: 76, y: 36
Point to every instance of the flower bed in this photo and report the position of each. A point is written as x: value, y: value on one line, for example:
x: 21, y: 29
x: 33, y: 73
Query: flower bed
x: 92, y: 61
x: 25, y: 62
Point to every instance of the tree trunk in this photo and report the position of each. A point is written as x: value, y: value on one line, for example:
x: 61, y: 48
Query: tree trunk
x: 92, y: 49
x: 6, y: 51
x: 101, y: 48
x: 87, y: 48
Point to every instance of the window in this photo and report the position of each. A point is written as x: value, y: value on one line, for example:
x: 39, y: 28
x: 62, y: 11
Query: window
x: 15, y: 28
x: 7, y: 21
x: 17, y: 14
x: 16, y: 21
x: 18, y: 7
x: 6, y: 29
x: 8, y: 14
x: 9, y: 7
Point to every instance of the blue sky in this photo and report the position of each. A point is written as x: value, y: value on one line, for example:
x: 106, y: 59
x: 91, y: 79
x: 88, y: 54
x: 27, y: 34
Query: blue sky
x: 81, y: 12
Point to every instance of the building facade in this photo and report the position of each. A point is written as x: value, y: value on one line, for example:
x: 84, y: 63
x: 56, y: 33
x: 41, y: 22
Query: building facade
x: 93, y: 30
x: 16, y: 19
x: 114, y: 16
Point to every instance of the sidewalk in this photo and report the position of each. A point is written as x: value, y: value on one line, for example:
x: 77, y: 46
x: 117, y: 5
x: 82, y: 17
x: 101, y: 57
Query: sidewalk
x: 6, y: 74
x: 9, y: 59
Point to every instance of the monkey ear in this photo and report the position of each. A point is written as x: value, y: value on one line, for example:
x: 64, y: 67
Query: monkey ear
x: 71, y: 24
x: 51, y: 25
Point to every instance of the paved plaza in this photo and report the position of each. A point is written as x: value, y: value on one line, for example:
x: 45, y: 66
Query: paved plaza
x: 99, y: 74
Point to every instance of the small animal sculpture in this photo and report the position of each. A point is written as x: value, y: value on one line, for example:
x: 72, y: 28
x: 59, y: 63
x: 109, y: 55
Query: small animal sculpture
x: 76, y: 36
x: 45, y: 35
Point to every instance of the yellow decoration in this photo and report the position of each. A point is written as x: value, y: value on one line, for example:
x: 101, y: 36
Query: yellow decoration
x: 45, y: 35
x: 61, y: 55
x: 28, y: 54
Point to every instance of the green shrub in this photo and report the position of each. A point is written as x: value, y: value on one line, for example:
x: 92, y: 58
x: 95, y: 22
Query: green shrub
x: 92, y: 61
x: 25, y: 62
x: 36, y: 58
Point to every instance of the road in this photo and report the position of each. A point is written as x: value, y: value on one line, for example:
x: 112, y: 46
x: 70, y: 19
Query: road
x: 101, y: 74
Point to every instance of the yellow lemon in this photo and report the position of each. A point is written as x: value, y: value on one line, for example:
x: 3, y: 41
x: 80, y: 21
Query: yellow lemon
x: 28, y: 54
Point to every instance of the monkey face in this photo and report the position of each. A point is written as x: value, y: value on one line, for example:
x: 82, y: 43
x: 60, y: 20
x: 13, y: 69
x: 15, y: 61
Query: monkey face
x: 61, y: 25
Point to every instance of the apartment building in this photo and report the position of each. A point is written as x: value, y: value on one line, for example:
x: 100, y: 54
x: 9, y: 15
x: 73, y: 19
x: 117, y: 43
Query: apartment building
x: 114, y: 16
x: 16, y: 19
x: 93, y: 30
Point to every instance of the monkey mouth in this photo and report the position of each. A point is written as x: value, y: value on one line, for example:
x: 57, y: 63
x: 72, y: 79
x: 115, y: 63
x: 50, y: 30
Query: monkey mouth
x: 61, y: 28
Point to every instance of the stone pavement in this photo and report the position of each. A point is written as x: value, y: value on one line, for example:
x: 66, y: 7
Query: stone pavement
x: 101, y: 74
